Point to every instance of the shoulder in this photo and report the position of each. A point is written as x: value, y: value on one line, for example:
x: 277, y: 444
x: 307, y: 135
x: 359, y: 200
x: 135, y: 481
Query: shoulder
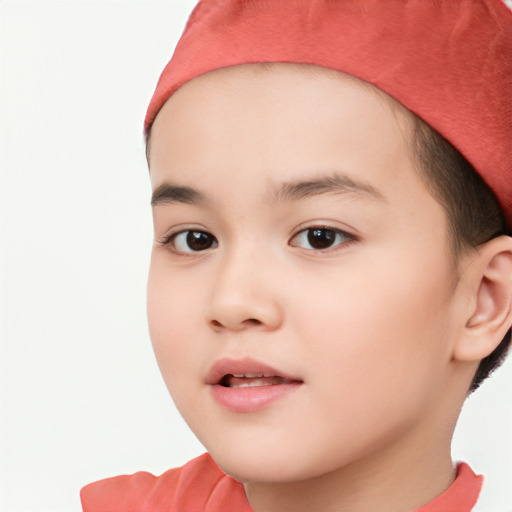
x: 198, y: 485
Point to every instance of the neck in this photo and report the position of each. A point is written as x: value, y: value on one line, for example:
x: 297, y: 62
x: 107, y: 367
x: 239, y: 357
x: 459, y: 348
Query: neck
x: 405, y: 476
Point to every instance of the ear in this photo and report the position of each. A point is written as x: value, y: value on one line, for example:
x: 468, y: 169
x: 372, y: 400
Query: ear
x: 489, y: 316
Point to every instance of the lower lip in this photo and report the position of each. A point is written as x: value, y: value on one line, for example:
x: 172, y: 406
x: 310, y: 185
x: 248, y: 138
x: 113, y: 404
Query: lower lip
x: 251, y: 399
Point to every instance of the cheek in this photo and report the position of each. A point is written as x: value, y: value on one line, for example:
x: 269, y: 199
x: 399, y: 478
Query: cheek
x: 379, y: 333
x: 172, y: 307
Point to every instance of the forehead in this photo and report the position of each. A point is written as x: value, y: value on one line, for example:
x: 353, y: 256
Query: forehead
x: 276, y: 120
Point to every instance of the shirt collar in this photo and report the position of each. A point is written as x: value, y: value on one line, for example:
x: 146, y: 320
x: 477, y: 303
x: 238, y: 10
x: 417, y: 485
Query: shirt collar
x: 461, y: 496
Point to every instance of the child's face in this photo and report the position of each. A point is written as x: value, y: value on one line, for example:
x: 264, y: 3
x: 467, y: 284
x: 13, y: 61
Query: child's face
x: 360, y: 314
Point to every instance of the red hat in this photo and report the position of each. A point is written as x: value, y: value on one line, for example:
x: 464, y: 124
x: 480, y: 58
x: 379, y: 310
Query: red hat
x: 448, y: 61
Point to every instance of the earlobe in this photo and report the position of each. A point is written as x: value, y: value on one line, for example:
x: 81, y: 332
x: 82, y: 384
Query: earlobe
x: 490, y: 316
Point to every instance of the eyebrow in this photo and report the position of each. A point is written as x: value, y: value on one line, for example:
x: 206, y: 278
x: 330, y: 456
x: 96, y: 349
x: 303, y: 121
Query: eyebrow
x: 169, y: 193
x: 289, y: 191
x: 332, y: 184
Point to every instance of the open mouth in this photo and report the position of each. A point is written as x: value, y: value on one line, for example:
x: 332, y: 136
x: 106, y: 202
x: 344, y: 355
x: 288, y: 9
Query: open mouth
x: 247, y: 385
x: 246, y: 373
x: 249, y: 380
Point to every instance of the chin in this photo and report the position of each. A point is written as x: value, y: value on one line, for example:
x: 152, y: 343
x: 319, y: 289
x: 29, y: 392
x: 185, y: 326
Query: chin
x: 257, y: 472
x: 265, y: 465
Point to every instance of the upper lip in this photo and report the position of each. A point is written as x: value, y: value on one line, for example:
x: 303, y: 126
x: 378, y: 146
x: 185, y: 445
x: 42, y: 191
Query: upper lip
x: 247, y: 365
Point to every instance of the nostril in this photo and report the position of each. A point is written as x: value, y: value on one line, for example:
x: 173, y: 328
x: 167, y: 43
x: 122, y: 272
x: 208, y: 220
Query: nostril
x: 249, y: 322
x: 252, y: 321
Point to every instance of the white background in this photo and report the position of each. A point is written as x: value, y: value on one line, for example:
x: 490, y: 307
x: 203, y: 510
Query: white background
x: 82, y: 398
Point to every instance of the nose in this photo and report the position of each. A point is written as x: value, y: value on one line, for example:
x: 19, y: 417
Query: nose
x: 244, y: 296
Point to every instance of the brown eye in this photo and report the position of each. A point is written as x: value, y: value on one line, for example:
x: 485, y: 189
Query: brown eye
x: 318, y: 238
x: 193, y: 241
x: 321, y: 238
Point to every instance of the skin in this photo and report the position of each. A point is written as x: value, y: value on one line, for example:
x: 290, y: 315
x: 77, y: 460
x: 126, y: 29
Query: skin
x: 372, y: 325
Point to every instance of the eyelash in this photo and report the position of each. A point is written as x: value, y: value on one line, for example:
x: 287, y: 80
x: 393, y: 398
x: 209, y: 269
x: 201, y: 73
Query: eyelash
x: 329, y: 232
x: 307, y: 232
x: 170, y: 240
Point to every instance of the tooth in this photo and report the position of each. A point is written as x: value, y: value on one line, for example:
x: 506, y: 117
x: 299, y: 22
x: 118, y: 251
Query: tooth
x: 253, y: 375
x: 251, y: 384
x: 238, y: 375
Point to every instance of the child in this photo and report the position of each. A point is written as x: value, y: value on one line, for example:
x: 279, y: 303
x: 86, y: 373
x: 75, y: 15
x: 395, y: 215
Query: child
x: 330, y: 276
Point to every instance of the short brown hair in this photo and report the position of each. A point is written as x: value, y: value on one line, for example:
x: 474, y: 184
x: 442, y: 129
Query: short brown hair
x: 474, y: 214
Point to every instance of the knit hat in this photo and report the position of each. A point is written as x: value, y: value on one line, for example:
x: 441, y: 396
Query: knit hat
x: 448, y: 61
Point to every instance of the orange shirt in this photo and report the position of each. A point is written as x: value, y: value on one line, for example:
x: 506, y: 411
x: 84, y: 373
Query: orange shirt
x: 200, y: 486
